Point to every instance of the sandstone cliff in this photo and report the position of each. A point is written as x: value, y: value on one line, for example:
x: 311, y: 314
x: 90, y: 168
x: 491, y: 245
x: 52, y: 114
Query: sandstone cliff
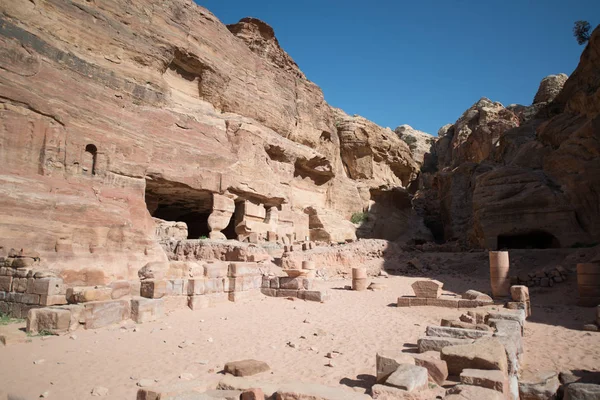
x: 116, y: 112
x: 521, y: 176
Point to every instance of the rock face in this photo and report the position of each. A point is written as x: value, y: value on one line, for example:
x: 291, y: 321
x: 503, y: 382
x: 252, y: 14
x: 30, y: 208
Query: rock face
x: 419, y: 143
x: 520, y: 176
x: 157, y: 110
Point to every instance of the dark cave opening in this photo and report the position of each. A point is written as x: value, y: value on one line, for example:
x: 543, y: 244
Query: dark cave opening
x: 174, y: 201
x: 529, y: 240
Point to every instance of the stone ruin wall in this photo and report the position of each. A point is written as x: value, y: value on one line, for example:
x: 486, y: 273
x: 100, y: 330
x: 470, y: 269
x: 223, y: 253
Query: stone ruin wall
x: 156, y: 110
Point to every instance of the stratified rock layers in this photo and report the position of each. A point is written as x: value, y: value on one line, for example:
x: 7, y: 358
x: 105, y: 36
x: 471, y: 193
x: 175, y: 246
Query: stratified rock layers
x: 156, y: 109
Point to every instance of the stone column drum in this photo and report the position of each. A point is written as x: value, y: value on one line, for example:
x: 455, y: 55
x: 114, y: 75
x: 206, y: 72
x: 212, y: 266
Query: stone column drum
x: 588, y: 284
x: 499, y: 279
x: 359, y: 278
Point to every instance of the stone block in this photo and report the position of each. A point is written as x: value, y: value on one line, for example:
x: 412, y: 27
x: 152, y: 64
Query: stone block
x: 513, y: 353
x: 6, y: 283
x: 19, y: 285
x: 266, y: 282
x: 403, y: 302
x: 196, y: 286
x: 146, y: 310
x: 23, y: 262
x: 136, y: 288
x: 243, y: 268
x: 314, y: 295
x: 534, y: 385
x: 388, y: 360
x: 431, y: 289
x: 274, y: 282
x: 252, y: 394
x: 153, y: 289
x: 485, y: 353
x: 198, y: 302
x: 269, y: 292
x: 54, y: 300
x: 52, y: 320
x: 513, y: 315
x: 519, y: 293
x: 98, y: 314
x: 176, y: 287
x: 435, y: 366
x: 88, y: 293
x: 120, y: 289
x: 22, y: 272
x: 458, y: 333
x: 441, y: 302
x: 189, y: 390
x: 463, y: 303
x: 27, y: 298
x: 286, y: 282
x: 432, y: 343
x: 246, y: 367
x: 411, y: 378
x: 49, y: 286
x: 469, y: 392
x: 243, y: 283
x: 216, y: 270
x: 582, y: 391
x: 244, y: 296
x: 287, y: 293
x: 313, y: 391
x: 216, y: 285
x: 489, y: 379
x: 476, y: 295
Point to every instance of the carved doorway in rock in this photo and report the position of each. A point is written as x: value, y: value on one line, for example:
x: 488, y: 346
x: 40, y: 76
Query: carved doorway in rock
x: 174, y: 201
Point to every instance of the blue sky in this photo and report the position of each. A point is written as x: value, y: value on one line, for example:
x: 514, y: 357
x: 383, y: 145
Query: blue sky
x: 421, y: 62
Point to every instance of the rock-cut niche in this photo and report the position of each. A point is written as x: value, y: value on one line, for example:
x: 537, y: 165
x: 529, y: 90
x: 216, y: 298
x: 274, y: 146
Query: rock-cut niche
x: 174, y: 201
x: 88, y: 164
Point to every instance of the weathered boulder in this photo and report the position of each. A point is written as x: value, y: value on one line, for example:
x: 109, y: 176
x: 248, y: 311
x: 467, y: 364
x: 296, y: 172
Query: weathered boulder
x: 388, y: 360
x: 535, y: 385
x: 411, y: 378
x: 436, y: 367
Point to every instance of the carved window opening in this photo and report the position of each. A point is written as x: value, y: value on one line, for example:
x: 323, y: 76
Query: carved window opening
x: 90, y: 156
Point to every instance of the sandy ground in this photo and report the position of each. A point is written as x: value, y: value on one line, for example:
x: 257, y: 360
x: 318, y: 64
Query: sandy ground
x: 356, y: 324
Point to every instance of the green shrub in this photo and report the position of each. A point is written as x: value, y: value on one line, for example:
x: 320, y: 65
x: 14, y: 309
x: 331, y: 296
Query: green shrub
x: 359, y: 217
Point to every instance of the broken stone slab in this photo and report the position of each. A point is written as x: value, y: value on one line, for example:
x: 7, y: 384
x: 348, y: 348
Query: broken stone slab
x: 180, y: 390
x: 243, y: 268
x: 513, y: 356
x: 313, y: 391
x: 466, y: 325
x: 489, y: 379
x: 215, y: 395
x: 53, y: 320
x: 153, y: 289
x: 314, y: 295
x: 383, y: 392
x: 252, y: 394
x: 468, y: 392
x: 246, y: 367
x: 408, y: 377
x: 388, y: 360
x: 444, y: 302
x: 535, y: 385
x: 582, y: 391
x: 430, y: 289
x: 230, y: 382
x: 146, y: 310
x: 98, y: 314
x: 245, y: 296
x: 484, y: 353
x: 512, y: 315
x: 476, y: 295
x: 432, y: 343
x: 120, y: 289
x: 458, y: 333
x: 436, y: 367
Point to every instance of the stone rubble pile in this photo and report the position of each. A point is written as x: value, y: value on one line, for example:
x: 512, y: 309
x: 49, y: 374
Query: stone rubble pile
x: 544, y: 277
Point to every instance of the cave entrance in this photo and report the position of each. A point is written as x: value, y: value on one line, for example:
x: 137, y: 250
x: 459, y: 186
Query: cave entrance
x: 530, y: 240
x: 236, y: 218
x: 174, y: 201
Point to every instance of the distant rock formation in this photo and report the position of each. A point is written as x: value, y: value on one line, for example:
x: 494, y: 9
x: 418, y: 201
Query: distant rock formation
x: 419, y: 143
x: 521, y: 176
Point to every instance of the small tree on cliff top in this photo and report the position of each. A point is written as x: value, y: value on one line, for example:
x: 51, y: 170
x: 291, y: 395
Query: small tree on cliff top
x: 581, y: 31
